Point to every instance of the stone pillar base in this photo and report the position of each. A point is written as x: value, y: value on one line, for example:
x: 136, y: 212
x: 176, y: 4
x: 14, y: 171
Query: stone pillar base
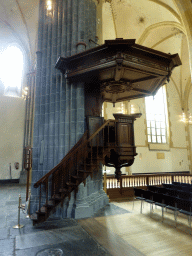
x: 87, y: 208
x: 89, y: 199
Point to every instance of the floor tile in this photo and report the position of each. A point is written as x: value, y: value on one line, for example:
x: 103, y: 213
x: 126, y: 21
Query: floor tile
x: 7, y: 247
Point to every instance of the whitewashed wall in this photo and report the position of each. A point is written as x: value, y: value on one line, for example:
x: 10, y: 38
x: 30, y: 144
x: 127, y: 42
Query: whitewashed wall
x: 176, y: 158
x: 12, y: 112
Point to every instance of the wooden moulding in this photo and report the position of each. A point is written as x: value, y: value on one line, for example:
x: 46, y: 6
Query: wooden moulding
x: 121, y: 69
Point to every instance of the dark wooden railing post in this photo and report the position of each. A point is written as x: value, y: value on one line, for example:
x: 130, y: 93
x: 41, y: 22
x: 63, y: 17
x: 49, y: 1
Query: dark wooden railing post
x: 108, y: 134
x: 116, y: 135
x: 172, y: 178
x: 105, y: 183
x: 121, y: 187
x: 147, y: 180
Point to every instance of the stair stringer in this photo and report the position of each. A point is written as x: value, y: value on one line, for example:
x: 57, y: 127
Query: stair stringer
x: 67, y: 201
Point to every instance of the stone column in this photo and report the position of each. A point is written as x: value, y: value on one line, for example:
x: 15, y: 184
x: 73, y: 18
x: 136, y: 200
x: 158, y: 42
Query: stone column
x: 60, y: 105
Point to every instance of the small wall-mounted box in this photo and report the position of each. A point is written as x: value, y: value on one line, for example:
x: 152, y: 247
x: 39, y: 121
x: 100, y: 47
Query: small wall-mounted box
x: 160, y: 155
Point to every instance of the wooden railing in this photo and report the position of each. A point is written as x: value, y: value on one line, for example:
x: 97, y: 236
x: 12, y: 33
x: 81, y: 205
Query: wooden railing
x: 125, y: 186
x: 142, y: 180
x: 79, y: 148
x: 73, y: 169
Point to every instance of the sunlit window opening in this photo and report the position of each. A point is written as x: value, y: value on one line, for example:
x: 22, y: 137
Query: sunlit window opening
x: 156, y: 114
x: 11, y: 70
x: 49, y: 5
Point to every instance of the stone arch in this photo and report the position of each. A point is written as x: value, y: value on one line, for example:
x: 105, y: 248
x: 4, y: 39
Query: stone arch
x: 147, y: 31
x: 166, y: 6
x: 185, y: 9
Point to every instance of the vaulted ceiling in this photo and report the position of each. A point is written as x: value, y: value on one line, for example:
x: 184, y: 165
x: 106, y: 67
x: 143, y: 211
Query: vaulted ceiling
x: 153, y: 23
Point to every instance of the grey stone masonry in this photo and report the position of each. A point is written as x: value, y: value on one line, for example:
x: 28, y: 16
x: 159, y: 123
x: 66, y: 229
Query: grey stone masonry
x: 59, y: 120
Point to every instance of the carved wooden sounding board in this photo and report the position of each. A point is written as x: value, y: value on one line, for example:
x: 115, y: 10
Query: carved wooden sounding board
x: 120, y: 70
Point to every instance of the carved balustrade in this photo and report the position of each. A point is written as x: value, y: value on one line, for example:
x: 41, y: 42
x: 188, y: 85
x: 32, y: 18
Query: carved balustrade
x: 124, y: 188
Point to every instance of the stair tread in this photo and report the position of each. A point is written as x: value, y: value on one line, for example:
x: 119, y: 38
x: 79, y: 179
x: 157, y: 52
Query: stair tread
x: 92, y: 164
x: 71, y: 184
x: 87, y: 164
x: 49, y: 205
x: 56, y: 197
x: 76, y: 177
x: 42, y: 210
x: 34, y: 216
x: 85, y: 171
x: 95, y: 157
x: 64, y: 190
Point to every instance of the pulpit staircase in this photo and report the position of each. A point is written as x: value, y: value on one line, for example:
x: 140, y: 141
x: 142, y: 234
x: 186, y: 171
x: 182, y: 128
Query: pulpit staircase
x: 80, y: 162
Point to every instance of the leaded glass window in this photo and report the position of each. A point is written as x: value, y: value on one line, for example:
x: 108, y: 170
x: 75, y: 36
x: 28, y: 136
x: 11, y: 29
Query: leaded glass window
x: 156, y: 115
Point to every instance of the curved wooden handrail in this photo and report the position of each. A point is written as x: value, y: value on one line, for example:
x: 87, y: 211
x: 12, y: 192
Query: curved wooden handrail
x: 66, y: 157
x: 100, y: 128
x: 81, y: 143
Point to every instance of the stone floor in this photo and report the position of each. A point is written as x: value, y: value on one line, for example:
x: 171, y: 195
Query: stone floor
x: 53, y: 237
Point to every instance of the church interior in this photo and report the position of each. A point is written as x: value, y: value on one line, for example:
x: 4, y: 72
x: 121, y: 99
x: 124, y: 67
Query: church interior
x: 53, y: 115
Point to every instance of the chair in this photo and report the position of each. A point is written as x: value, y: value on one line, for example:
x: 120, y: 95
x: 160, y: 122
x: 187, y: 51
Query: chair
x: 186, y: 188
x: 161, y: 190
x: 159, y: 201
x: 139, y: 196
x: 176, y: 183
x: 148, y: 195
x: 185, y: 207
x: 183, y: 194
x: 171, y: 192
x: 167, y: 185
x: 152, y: 188
x: 171, y: 204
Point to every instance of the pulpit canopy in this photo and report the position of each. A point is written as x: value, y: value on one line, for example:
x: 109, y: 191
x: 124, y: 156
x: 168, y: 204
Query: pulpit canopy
x: 120, y: 69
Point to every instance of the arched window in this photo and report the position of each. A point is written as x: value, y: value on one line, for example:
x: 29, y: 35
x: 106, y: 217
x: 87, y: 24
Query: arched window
x: 156, y: 114
x: 11, y: 70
